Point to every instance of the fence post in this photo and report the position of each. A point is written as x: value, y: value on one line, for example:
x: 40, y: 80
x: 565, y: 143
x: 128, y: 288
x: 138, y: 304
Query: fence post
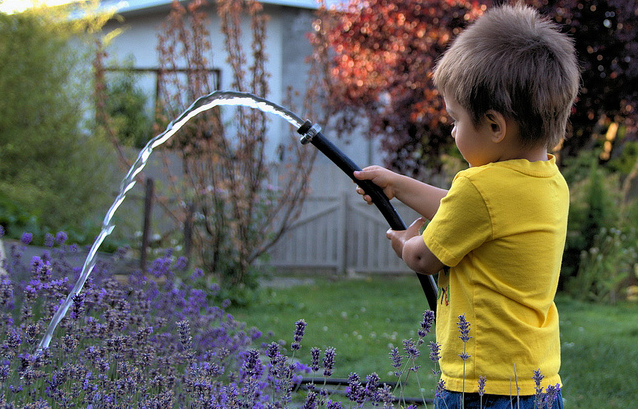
x: 342, y: 233
x: 3, y: 272
x: 146, y: 228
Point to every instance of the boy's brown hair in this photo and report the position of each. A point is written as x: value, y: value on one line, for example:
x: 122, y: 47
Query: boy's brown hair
x: 516, y: 62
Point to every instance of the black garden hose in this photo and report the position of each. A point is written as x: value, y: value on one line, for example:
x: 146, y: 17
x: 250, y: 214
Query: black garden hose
x: 312, y: 134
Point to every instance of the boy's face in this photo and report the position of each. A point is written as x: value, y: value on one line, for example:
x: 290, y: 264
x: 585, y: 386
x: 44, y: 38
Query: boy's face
x: 474, y: 143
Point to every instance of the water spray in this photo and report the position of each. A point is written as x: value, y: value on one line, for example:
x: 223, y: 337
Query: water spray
x: 310, y: 134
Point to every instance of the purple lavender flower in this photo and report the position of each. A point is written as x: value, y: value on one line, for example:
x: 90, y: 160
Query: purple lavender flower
x: 78, y: 306
x: 70, y: 343
x: 49, y: 240
x: 31, y: 290
x: 185, y: 333
x: 551, y: 395
x: 435, y: 351
x: 481, y: 385
x: 372, y: 385
x: 13, y: 340
x: 396, y: 360
x: 440, y: 388
x: 61, y: 237
x: 315, y: 354
x: 6, y: 293
x: 273, y: 350
x: 538, y: 378
x: 410, y: 349
x: 330, y: 404
x: 198, y: 273
x: 300, y: 327
x: 385, y: 396
x: 465, y: 356
x: 355, y: 391
x: 214, y: 289
x: 41, y: 269
x: 181, y: 263
x: 26, y: 238
x: 311, y: 400
x: 1, y: 231
x: 329, y: 361
x: 196, y: 301
x: 464, y: 328
x: 252, y: 365
x: 426, y: 324
x: 412, y: 352
x: 5, y: 369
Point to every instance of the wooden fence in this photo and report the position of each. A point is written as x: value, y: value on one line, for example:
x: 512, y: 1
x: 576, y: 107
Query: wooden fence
x: 339, y: 233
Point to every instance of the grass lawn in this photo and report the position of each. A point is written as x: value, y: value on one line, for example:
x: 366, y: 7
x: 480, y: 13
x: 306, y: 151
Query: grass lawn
x: 364, y: 318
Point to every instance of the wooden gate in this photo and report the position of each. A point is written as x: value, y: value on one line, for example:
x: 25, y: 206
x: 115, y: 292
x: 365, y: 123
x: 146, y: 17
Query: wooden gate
x: 339, y: 233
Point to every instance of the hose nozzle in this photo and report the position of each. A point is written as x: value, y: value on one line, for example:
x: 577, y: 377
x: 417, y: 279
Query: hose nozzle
x: 308, y: 131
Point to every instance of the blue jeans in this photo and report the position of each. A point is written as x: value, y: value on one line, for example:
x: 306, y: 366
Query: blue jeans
x: 452, y: 400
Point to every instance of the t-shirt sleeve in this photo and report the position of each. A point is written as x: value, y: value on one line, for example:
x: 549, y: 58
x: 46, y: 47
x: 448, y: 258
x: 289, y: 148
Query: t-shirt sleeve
x: 461, y: 224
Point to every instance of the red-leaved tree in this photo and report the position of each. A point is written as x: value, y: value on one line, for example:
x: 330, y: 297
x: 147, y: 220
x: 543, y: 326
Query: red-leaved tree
x: 383, y: 53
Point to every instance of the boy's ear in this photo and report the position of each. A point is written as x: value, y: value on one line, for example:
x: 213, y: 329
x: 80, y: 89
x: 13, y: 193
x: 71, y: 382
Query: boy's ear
x: 497, y: 125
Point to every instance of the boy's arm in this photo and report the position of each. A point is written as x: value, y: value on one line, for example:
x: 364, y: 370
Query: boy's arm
x: 410, y: 246
x: 421, y: 197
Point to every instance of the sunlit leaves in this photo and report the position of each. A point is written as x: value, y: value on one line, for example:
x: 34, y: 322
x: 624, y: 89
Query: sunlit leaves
x: 384, y: 53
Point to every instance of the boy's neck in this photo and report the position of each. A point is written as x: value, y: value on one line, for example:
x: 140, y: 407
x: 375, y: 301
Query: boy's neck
x: 532, y: 155
x: 511, y: 149
x: 511, y: 146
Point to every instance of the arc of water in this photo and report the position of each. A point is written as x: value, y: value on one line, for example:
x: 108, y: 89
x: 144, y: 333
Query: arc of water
x: 202, y: 104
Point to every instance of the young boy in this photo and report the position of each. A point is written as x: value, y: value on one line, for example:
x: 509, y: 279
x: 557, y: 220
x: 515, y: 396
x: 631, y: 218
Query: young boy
x: 509, y: 82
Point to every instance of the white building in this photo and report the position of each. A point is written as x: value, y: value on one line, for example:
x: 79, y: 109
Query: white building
x: 337, y: 231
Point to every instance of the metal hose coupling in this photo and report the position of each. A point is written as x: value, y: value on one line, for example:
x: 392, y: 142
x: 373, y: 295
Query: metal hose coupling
x: 308, y: 131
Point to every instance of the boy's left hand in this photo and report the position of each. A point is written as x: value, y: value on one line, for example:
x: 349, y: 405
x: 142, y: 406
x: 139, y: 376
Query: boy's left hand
x: 410, y: 246
x: 400, y: 237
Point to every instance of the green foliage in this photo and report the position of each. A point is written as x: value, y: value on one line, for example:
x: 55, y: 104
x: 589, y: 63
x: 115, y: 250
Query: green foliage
x: 604, y: 267
x: 600, y: 252
x: 50, y: 173
x: 126, y: 105
x: 594, y: 200
x: 16, y: 220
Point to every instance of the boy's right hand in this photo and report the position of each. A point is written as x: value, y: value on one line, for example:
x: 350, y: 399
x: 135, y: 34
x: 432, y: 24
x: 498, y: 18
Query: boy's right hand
x: 378, y: 175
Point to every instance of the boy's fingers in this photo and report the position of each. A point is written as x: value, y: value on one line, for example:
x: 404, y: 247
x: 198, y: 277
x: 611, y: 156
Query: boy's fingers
x: 418, y: 222
x: 366, y: 173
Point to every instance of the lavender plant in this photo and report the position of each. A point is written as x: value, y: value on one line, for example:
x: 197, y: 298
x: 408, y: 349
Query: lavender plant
x: 464, y: 329
x: 154, y: 341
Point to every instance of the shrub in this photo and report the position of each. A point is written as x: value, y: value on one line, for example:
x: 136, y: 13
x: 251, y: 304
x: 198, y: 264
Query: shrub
x: 46, y: 164
x: 600, y: 252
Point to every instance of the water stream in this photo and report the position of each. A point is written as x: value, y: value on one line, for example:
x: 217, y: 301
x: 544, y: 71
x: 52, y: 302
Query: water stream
x: 216, y: 98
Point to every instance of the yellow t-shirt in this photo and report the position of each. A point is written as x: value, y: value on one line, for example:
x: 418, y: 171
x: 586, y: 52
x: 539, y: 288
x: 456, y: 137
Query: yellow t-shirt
x: 501, y: 228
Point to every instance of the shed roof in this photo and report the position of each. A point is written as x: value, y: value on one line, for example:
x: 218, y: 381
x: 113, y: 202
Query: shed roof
x: 136, y: 6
